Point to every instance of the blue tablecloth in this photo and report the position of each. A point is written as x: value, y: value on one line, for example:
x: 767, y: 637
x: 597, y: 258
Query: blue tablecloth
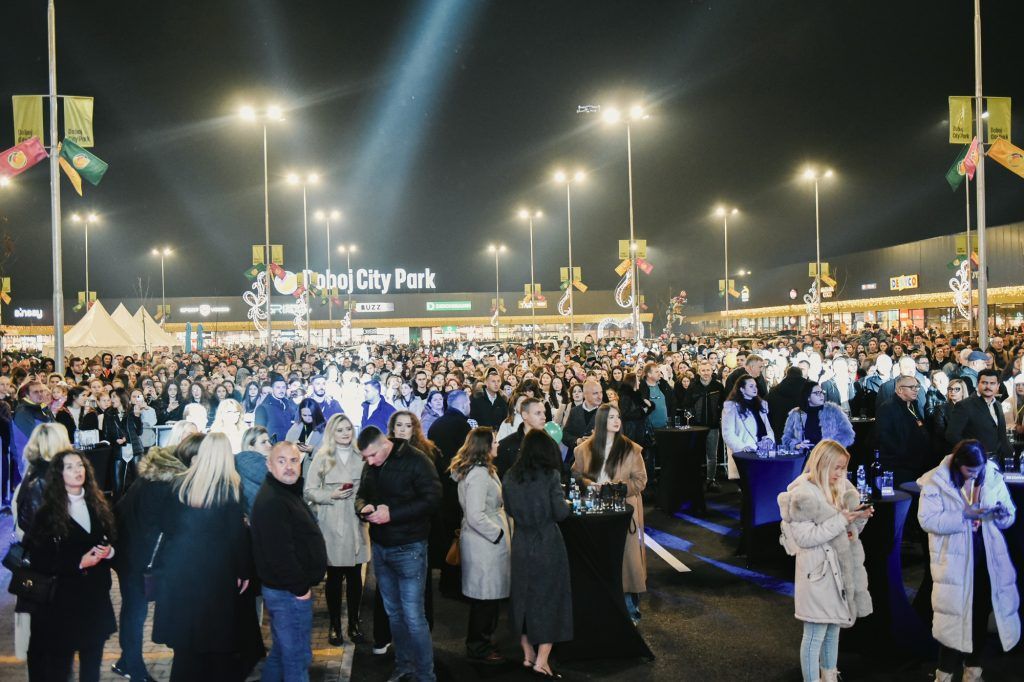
x: 761, y: 481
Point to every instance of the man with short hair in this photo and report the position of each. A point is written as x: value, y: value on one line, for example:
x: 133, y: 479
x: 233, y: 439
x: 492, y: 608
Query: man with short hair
x: 489, y: 407
x: 974, y: 361
x: 275, y: 412
x: 905, y: 367
x: 904, y: 446
x: 980, y: 417
x: 291, y: 557
x: 704, y: 400
x: 30, y: 412
x: 376, y: 410
x: 753, y: 366
x: 532, y: 412
x: 580, y: 424
x: 398, y: 501
x: 328, y: 405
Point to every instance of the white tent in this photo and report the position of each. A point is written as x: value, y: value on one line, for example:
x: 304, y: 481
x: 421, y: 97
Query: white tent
x: 124, y: 319
x: 97, y: 333
x: 151, y: 333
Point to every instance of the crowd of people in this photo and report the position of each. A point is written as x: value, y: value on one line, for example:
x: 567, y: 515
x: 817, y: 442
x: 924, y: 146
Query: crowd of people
x: 246, y: 480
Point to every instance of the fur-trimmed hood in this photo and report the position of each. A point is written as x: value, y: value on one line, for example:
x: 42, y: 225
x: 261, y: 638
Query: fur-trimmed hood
x: 160, y: 464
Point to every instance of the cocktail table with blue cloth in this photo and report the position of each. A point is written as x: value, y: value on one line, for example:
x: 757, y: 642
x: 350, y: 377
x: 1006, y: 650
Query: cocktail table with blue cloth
x: 761, y: 481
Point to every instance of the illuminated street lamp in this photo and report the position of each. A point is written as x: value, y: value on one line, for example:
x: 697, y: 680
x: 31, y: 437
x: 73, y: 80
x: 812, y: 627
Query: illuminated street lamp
x: 724, y: 213
x: 326, y: 217
x: 564, y: 178
x: 87, y: 219
x: 348, y: 251
x: 612, y: 115
x: 530, y: 215
x: 812, y: 174
x: 5, y: 182
x: 162, y: 254
x: 305, y: 180
x: 272, y: 113
x: 497, y: 250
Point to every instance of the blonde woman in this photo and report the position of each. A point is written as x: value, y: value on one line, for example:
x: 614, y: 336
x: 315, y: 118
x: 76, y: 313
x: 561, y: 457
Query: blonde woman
x: 230, y: 421
x: 179, y: 432
x: 46, y: 440
x: 330, y: 488
x: 205, y: 555
x: 485, y: 542
x: 822, y: 519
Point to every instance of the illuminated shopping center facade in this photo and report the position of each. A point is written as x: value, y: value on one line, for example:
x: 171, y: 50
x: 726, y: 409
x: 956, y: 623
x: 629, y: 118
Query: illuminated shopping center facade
x: 907, y: 285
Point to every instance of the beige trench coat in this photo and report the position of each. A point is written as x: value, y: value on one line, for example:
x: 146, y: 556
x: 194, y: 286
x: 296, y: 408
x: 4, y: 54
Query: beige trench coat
x: 346, y: 537
x: 631, y: 472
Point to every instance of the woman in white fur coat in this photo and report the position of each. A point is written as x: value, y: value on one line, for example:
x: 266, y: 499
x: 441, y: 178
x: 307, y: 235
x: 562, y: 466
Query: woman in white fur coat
x: 821, y: 524
x: 964, y: 507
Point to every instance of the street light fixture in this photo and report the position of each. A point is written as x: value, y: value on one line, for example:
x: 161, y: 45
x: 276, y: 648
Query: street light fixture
x: 272, y: 113
x: 304, y: 180
x: 530, y: 215
x: 564, y: 178
x: 497, y: 250
x: 724, y: 213
x: 5, y: 181
x: 812, y: 174
x: 87, y: 219
x: 162, y: 254
x: 326, y: 217
x: 348, y: 251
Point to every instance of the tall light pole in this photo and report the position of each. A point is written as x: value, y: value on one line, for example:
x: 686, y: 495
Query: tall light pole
x: 497, y: 250
x: 566, y: 179
x: 979, y: 184
x: 88, y: 219
x: 724, y: 213
x: 326, y: 217
x: 304, y: 180
x: 348, y: 251
x: 55, y: 234
x: 529, y: 215
x: 272, y: 113
x: 811, y: 174
x: 613, y: 115
x: 162, y: 254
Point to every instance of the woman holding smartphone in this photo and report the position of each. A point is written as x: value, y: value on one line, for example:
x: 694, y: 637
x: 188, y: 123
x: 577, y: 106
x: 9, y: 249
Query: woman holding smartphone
x: 330, y: 488
x: 70, y: 538
x: 822, y: 519
x: 964, y: 507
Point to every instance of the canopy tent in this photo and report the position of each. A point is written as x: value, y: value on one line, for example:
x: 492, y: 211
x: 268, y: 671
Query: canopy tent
x: 95, y: 333
x: 124, y: 319
x: 152, y: 334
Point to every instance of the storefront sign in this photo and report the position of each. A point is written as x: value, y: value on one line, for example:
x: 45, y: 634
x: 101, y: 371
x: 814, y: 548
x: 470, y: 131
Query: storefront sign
x: 827, y: 292
x: 869, y: 286
x: 34, y: 313
x: 375, y: 307
x: 527, y: 305
x: 444, y: 306
x: 901, y: 282
x: 361, y: 280
x: 745, y: 294
x: 204, y: 309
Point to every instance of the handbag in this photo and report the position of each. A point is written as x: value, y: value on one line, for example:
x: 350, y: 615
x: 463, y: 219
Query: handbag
x: 26, y: 582
x: 149, y: 576
x: 454, y: 555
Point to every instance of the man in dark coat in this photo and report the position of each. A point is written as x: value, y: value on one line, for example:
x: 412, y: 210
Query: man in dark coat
x: 276, y: 412
x: 981, y: 418
x: 580, y: 424
x: 291, y: 558
x: 784, y: 397
x: 704, y: 400
x: 29, y: 414
x: 753, y: 365
x: 398, y: 502
x: 532, y: 412
x: 904, y: 446
x: 489, y: 407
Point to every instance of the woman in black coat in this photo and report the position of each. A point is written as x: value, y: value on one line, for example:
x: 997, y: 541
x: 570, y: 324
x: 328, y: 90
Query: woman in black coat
x: 632, y: 409
x: 541, y: 600
x: 122, y: 428
x: 204, y: 609
x: 70, y: 539
x: 171, y: 405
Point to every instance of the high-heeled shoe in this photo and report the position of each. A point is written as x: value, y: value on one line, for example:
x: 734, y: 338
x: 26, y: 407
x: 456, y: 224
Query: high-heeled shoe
x: 334, y: 636
x: 548, y: 676
x: 355, y: 634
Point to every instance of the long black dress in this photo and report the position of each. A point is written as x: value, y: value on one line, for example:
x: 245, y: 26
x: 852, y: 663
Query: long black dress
x: 541, y: 599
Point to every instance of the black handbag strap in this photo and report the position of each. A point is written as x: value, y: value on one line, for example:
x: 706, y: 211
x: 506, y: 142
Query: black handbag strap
x: 156, y: 548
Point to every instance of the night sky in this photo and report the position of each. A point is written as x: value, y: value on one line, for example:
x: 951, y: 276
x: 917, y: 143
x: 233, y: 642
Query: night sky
x: 432, y: 121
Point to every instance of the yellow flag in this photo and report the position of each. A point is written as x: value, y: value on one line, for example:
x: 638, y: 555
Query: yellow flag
x: 257, y: 254
x: 28, y: 117
x: 1005, y: 154
x: 961, y: 120
x: 78, y: 120
x: 73, y: 176
x: 998, y: 118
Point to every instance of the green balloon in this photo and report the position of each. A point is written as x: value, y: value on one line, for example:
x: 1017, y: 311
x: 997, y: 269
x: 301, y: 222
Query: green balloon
x: 554, y: 430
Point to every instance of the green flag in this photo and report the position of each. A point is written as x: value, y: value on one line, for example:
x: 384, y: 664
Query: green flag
x: 956, y: 172
x: 88, y: 165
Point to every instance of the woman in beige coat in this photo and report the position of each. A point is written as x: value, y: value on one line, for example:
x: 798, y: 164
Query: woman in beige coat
x: 331, y: 488
x: 609, y: 457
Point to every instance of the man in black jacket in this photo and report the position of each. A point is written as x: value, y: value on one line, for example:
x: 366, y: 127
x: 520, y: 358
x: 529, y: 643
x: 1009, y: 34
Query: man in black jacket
x: 532, y: 412
x: 489, y: 407
x: 398, y: 493
x: 580, y: 424
x: 981, y: 417
x: 704, y: 400
x: 291, y: 558
x: 904, y: 447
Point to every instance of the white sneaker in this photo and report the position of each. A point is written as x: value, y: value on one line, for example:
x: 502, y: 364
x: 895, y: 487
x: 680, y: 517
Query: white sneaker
x: 381, y: 650
x: 972, y: 675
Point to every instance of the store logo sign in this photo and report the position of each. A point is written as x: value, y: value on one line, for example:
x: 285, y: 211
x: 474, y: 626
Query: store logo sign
x: 901, y: 282
x: 447, y: 306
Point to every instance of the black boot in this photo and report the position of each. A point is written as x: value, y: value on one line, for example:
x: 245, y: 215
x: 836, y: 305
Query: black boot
x: 334, y: 635
x: 354, y: 633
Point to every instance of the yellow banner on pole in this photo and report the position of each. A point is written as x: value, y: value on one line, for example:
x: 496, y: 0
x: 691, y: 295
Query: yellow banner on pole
x: 5, y: 285
x: 28, y: 117
x: 276, y: 254
x: 813, y: 267
x: 78, y: 120
x: 961, y: 244
x: 641, y: 248
x: 998, y: 109
x: 961, y: 119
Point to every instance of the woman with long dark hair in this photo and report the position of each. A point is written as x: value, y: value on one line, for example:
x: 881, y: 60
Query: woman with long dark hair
x: 122, y: 428
x: 171, y: 404
x: 609, y: 456
x: 964, y: 507
x: 484, y: 542
x: 541, y: 595
x: 745, y: 421
x: 432, y: 409
x: 70, y: 538
x: 308, y: 429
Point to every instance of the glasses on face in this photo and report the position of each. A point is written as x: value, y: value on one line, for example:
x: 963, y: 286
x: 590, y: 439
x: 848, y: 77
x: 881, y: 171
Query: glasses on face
x: 911, y: 388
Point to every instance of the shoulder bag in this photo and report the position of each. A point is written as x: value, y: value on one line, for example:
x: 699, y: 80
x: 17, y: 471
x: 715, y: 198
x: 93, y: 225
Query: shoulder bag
x: 26, y: 582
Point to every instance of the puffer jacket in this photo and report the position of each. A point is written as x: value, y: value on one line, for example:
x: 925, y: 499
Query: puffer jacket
x: 831, y: 584
x: 941, y: 514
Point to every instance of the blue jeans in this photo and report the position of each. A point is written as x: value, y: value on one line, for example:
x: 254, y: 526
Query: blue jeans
x: 401, y: 572
x: 819, y: 649
x: 633, y: 605
x: 133, y: 618
x: 291, y: 627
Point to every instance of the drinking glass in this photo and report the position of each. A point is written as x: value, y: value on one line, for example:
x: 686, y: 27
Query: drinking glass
x: 888, y: 479
x: 689, y: 416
